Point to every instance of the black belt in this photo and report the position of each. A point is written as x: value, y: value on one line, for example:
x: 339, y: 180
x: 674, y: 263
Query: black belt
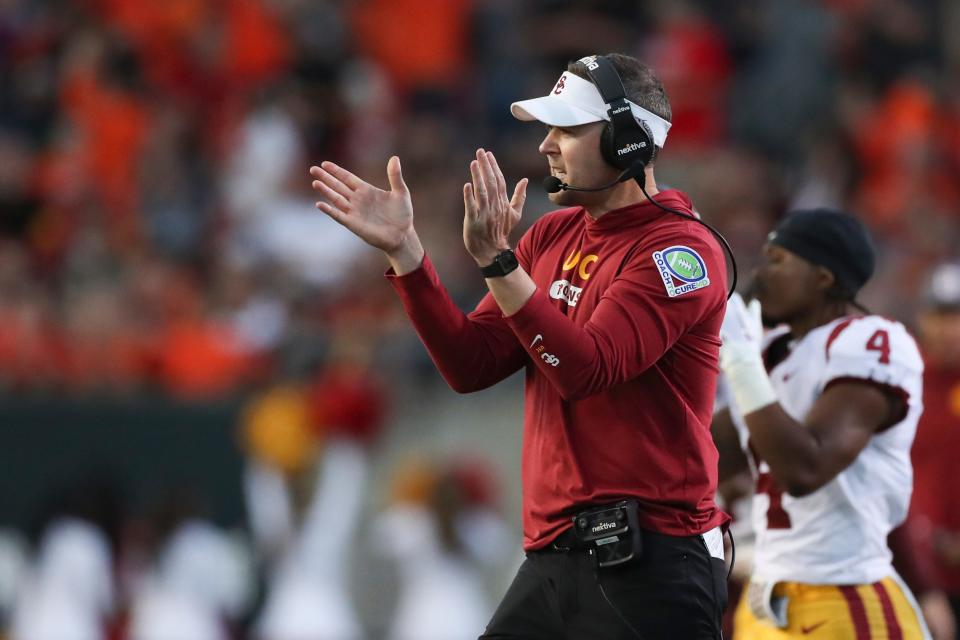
x: 566, y: 542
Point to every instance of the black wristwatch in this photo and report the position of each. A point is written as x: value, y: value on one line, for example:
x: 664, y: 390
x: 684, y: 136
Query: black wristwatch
x: 504, y: 263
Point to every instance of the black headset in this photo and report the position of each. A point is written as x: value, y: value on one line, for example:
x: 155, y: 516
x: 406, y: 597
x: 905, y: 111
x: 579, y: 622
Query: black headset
x: 624, y: 140
x: 627, y: 143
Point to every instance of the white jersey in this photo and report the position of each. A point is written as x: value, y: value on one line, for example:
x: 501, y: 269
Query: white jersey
x: 838, y: 534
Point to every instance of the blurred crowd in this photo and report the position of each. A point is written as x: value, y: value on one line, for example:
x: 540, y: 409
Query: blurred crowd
x: 158, y: 231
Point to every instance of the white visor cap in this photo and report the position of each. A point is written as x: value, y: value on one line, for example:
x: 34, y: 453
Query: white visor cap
x: 575, y: 101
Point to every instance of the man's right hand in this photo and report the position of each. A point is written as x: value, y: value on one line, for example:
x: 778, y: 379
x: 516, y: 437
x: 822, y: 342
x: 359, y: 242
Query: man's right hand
x: 742, y: 324
x: 383, y: 219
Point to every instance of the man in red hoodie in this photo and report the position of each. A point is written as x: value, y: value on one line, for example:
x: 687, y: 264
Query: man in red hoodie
x: 612, y: 306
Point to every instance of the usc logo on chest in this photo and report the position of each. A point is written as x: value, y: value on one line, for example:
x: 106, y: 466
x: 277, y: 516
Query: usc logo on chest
x: 581, y: 268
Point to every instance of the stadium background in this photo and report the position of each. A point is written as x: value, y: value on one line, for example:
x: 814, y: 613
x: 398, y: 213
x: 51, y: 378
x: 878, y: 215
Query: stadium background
x: 168, y: 293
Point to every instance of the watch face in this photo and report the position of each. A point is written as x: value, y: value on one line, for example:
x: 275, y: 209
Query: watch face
x: 507, y: 260
x: 502, y: 264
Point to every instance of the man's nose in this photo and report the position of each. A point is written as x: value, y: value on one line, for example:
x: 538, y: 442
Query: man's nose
x: 549, y: 143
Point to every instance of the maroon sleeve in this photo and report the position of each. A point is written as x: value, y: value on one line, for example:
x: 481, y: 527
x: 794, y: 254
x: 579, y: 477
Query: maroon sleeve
x: 472, y: 352
x: 633, y: 325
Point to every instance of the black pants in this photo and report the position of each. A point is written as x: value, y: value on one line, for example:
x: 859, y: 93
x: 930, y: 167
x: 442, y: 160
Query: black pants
x: 674, y: 591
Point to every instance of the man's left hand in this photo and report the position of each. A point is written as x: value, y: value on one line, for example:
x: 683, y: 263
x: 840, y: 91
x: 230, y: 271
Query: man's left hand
x: 489, y: 216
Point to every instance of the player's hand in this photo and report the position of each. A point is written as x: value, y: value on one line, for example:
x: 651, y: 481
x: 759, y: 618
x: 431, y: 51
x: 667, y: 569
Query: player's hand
x: 742, y: 324
x: 741, y: 359
x: 383, y: 219
x: 489, y: 215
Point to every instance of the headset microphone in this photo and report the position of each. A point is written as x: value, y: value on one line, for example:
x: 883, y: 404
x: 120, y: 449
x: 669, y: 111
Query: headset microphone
x: 553, y: 184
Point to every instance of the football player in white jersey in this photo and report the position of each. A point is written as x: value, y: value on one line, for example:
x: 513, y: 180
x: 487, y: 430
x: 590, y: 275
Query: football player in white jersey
x: 825, y: 406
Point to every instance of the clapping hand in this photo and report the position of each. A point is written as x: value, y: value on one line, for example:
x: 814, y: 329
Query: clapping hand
x: 489, y: 216
x: 383, y: 219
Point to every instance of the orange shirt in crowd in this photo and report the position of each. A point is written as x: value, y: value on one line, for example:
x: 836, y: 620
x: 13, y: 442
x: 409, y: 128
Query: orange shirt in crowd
x: 202, y: 359
x: 208, y: 55
x: 900, y: 146
x: 421, y: 43
x: 111, y: 127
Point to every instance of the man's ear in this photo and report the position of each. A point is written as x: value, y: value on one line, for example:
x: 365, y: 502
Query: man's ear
x: 825, y: 279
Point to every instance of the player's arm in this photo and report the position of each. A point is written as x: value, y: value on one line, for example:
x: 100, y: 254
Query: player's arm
x: 804, y: 457
x: 860, y: 399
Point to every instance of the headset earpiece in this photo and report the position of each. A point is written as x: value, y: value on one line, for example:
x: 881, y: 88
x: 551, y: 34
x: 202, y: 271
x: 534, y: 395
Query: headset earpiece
x: 606, y: 144
x: 624, y: 140
x: 623, y: 149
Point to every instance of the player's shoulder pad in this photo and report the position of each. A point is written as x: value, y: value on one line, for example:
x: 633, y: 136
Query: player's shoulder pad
x: 874, y: 339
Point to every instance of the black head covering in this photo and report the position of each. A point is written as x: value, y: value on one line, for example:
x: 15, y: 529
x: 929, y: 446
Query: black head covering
x: 832, y: 239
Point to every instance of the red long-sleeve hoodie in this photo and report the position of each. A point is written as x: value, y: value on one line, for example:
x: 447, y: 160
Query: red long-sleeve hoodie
x: 620, y: 346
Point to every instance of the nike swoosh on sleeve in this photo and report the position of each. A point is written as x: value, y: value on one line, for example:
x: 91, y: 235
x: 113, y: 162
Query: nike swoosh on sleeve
x: 812, y: 627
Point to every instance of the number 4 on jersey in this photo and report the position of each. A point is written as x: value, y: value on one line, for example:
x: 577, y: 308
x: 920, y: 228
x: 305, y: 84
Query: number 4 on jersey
x: 880, y: 341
